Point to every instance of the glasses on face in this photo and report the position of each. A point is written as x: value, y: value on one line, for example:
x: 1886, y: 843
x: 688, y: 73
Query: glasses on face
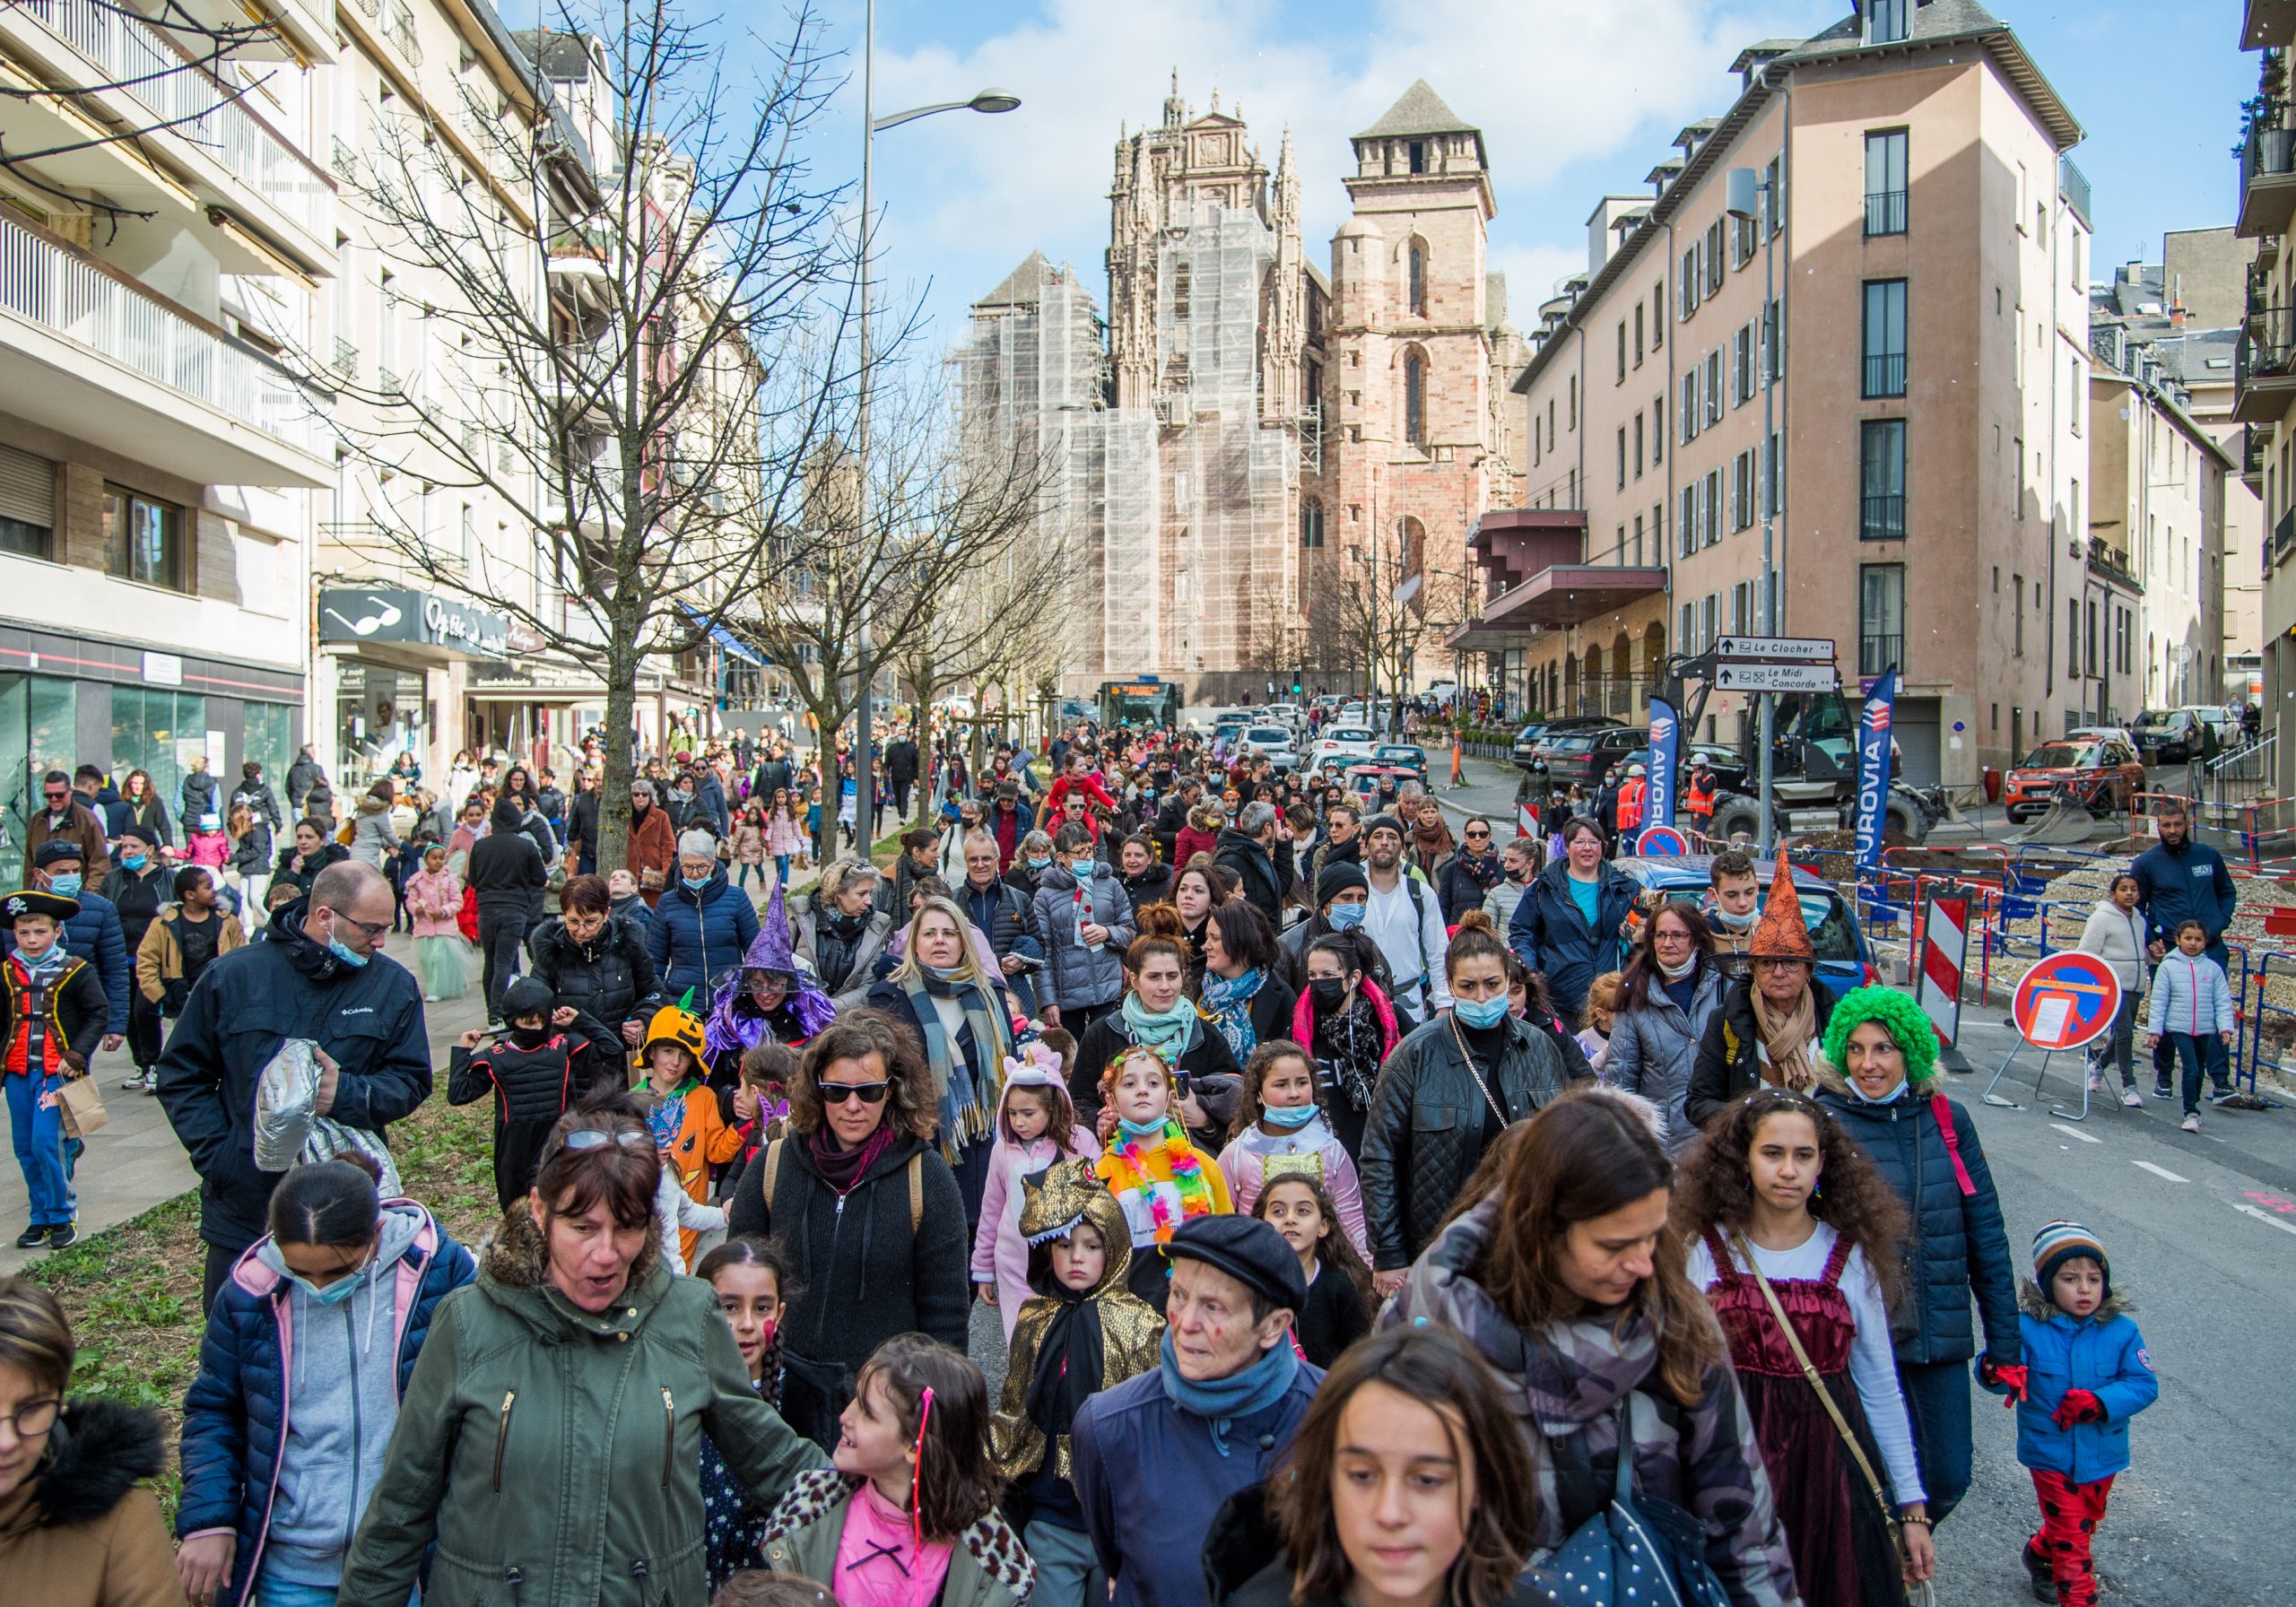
x: 591, y: 1138
x: 1475, y: 836
x: 33, y: 1419
x: 373, y: 929
x: 58, y: 796
x: 841, y: 1093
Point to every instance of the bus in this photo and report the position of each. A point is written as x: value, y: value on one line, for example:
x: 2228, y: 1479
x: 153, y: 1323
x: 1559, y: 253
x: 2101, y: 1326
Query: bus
x: 1142, y: 701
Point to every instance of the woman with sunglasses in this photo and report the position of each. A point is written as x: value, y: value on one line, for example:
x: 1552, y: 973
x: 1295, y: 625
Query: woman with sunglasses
x: 869, y: 1211
x: 1465, y: 879
x: 549, y: 1443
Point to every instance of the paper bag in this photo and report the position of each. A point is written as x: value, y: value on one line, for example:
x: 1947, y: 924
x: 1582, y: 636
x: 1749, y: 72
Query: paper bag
x: 82, y: 1106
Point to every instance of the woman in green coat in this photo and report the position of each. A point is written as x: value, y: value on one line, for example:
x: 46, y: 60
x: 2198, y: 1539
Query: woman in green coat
x: 550, y: 1441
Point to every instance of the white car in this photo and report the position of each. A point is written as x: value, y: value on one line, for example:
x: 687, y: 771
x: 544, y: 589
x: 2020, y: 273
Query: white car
x: 1341, y: 746
x: 1273, y: 742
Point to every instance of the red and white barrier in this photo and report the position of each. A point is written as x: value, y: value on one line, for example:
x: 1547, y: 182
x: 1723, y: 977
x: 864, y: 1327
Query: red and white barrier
x: 1937, y: 975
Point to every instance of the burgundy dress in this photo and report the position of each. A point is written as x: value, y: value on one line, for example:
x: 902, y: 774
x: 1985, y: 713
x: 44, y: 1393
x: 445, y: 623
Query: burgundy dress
x: 1842, y: 1555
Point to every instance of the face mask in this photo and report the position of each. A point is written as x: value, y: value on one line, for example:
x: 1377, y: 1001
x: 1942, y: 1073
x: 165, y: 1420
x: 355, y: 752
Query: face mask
x: 1328, y: 990
x: 1675, y: 973
x: 1290, y: 1115
x: 1039, y: 864
x: 1480, y: 1014
x: 1346, y: 917
x: 696, y: 883
x: 1522, y: 878
x: 1139, y: 1130
x: 133, y: 862
x: 1082, y: 870
x: 528, y: 1037
x: 334, y: 1293
x: 64, y: 886
x: 340, y: 950
x: 1732, y: 923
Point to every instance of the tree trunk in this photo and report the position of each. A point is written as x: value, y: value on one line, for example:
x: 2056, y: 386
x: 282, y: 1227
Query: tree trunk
x: 619, y: 745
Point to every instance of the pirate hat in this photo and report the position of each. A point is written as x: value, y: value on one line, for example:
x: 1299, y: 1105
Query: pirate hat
x: 1781, y: 933
x: 54, y: 905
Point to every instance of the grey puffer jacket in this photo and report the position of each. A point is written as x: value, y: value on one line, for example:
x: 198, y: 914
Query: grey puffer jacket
x: 1567, y: 1383
x: 1075, y: 976
x: 1655, y: 1046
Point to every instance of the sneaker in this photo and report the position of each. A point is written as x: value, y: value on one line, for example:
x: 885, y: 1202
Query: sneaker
x: 2132, y: 1099
x: 430, y: 998
x: 2224, y: 1094
x: 2161, y: 1091
x: 131, y: 1082
x: 2096, y: 1082
x: 150, y: 1082
x: 2192, y: 1121
x: 32, y: 1237
x: 2038, y: 1576
x: 63, y: 1237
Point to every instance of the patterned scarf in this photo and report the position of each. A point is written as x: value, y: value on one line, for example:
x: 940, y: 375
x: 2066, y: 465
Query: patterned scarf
x: 966, y: 1081
x: 1171, y: 1033
x: 1229, y: 1005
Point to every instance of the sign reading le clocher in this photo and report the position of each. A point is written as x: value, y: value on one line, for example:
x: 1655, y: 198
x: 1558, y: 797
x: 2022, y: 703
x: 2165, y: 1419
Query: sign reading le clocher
x: 424, y: 618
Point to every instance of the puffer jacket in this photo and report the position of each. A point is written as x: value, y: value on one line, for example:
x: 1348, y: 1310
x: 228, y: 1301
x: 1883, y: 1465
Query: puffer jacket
x: 861, y: 968
x: 514, y: 1388
x: 1001, y: 911
x: 987, y: 1566
x: 697, y: 937
x: 1960, y: 1247
x: 1565, y: 1383
x: 236, y: 1414
x: 611, y: 977
x: 1075, y: 976
x: 1654, y: 1047
x: 1729, y: 1053
x: 1424, y: 1133
x: 1551, y: 934
x: 2189, y: 996
x: 2103, y: 1353
x: 84, y: 1530
x: 372, y: 839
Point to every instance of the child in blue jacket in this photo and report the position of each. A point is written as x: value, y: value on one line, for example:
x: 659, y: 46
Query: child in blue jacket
x: 2192, y: 1002
x: 2087, y: 1373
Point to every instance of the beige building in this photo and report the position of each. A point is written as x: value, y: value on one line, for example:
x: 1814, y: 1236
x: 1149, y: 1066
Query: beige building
x: 2264, y: 374
x: 1924, y: 357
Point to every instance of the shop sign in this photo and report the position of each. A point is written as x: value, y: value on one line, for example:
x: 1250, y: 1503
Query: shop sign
x: 424, y: 618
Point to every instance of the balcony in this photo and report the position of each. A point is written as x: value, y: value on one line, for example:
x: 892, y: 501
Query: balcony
x: 2254, y: 447
x: 1884, y: 374
x: 2263, y: 365
x: 2283, y: 541
x: 1886, y: 212
x: 94, y: 355
x: 2072, y: 186
x: 2267, y: 23
x: 1880, y: 518
x: 2110, y: 564
x: 301, y: 31
x: 2267, y: 175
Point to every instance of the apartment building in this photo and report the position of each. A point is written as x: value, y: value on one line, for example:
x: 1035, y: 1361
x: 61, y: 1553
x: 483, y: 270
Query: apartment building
x: 1919, y: 356
x: 156, y: 457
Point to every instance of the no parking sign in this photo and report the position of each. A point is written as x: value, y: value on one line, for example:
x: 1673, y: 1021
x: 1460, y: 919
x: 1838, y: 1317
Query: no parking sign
x: 2065, y: 1001
x: 1661, y: 840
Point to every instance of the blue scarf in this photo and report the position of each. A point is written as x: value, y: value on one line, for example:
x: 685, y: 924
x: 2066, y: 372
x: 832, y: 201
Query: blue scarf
x: 1229, y: 1005
x: 1222, y: 1401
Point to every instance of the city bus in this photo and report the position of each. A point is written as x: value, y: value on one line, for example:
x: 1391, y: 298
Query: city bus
x: 1142, y: 701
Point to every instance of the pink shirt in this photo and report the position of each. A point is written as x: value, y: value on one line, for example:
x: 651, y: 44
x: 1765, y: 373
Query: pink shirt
x: 878, y: 1564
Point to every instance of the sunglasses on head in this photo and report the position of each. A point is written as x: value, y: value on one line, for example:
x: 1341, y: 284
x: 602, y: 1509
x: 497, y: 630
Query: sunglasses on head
x: 841, y: 1093
x: 591, y: 1138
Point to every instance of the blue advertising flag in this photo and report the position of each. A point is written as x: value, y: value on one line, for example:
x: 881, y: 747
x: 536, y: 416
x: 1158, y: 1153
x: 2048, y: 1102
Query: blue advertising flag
x: 1666, y: 738
x: 1873, y: 767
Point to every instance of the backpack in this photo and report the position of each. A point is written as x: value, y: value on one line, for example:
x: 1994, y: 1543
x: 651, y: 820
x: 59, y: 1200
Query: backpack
x: 916, y: 1169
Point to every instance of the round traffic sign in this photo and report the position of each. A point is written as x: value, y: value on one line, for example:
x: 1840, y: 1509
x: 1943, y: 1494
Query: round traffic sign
x: 2065, y: 1001
x: 1661, y: 840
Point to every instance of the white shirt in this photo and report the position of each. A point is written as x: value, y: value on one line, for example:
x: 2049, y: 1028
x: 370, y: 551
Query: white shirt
x: 1404, y: 934
x: 1873, y: 1366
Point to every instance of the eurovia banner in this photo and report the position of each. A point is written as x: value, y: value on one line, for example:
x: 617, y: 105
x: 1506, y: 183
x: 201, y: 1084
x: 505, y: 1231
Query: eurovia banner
x: 1873, y: 767
x: 1666, y: 739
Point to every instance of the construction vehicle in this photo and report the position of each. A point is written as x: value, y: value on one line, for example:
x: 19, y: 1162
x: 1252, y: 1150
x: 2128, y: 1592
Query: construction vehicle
x: 1812, y: 766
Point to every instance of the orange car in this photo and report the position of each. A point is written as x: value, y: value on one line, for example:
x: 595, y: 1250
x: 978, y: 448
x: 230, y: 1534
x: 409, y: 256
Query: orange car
x: 2103, y: 774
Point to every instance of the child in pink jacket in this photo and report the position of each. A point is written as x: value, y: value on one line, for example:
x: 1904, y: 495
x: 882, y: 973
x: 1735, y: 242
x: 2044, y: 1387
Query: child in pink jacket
x: 1033, y: 1111
x: 434, y: 897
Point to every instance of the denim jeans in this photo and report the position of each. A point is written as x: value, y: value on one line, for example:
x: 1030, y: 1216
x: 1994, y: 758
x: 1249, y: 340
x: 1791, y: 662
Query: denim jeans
x: 37, y: 1125
x: 1937, y: 1400
x: 2207, y: 1051
x: 281, y: 1592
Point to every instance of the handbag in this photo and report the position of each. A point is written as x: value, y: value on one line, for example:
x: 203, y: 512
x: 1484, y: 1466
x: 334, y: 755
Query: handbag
x: 80, y: 1105
x: 1639, y: 1549
x: 1833, y: 1410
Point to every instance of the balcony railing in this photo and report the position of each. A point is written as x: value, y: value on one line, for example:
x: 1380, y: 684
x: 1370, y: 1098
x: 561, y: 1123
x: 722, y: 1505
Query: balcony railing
x: 1885, y: 374
x: 152, y: 68
x: 2267, y: 348
x: 2253, y: 448
x: 1882, y: 518
x: 1886, y: 212
x: 1876, y: 654
x: 2268, y: 151
x: 2283, y: 539
x: 2112, y: 564
x: 2072, y: 184
x: 44, y: 282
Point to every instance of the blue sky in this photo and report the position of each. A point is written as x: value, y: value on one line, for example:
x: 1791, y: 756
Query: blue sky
x: 1577, y: 98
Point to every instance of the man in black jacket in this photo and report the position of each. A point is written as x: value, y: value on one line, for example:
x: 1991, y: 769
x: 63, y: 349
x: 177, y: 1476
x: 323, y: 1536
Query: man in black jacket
x: 507, y: 873
x: 302, y: 774
x: 1001, y: 910
x: 773, y: 775
x: 321, y: 975
x: 582, y: 825
x: 902, y: 771
x: 1251, y: 848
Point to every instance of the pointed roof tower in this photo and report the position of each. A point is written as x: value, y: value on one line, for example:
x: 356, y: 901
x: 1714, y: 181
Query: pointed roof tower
x: 1419, y: 142
x: 1024, y: 286
x: 1420, y: 111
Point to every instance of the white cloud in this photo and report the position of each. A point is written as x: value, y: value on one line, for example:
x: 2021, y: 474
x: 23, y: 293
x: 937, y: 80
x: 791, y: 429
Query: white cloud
x: 1554, y: 84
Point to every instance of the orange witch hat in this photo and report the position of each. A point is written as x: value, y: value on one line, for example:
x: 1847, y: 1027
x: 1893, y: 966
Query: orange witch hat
x: 1781, y: 934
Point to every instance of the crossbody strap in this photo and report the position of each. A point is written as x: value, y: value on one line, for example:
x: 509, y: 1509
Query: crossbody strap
x: 1466, y: 1054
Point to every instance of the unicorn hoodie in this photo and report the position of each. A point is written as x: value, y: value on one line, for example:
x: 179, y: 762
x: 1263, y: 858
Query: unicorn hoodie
x: 1000, y: 1255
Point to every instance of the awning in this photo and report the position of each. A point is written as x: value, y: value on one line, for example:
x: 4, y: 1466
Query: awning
x: 1556, y: 598
x: 727, y: 640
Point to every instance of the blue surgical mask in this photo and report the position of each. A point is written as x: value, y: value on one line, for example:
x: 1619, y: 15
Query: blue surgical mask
x: 334, y: 1293
x: 1290, y: 1115
x: 695, y: 883
x: 1346, y: 917
x: 343, y: 952
x: 1141, y: 1130
x: 133, y: 862
x: 1039, y: 865
x: 64, y: 886
x: 1480, y: 1014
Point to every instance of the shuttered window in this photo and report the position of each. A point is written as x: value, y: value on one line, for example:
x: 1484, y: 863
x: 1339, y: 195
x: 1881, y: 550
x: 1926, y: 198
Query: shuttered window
x: 27, y: 502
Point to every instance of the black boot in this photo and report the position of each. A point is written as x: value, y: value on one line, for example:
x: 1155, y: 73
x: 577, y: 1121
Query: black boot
x: 2038, y: 1575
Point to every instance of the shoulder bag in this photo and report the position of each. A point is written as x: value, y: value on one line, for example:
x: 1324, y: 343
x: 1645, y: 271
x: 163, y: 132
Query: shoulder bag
x: 1637, y: 1552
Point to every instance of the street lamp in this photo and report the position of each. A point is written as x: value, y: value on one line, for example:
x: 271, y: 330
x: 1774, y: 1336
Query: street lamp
x: 1741, y: 189
x: 991, y: 100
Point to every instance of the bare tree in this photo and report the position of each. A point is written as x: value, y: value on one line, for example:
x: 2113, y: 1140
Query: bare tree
x: 652, y: 416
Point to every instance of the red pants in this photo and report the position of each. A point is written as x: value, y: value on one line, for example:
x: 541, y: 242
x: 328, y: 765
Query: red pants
x: 2070, y: 1513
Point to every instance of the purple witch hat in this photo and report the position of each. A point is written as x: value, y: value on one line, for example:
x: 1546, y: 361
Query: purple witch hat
x: 735, y: 1023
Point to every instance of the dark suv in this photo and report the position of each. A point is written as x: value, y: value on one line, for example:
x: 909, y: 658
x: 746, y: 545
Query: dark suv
x: 1584, y: 757
x: 1528, y: 739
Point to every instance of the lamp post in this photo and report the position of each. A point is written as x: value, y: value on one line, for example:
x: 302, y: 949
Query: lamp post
x: 992, y: 101
x: 1742, y: 188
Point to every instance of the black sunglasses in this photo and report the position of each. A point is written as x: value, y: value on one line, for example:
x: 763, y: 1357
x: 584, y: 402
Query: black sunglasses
x: 841, y: 1093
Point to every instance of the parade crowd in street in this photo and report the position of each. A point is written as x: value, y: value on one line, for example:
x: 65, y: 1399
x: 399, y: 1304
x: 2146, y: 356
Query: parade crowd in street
x: 1375, y: 1209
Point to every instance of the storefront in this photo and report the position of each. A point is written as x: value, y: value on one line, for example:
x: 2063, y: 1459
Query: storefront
x: 395, y: 663
x: 69, y: 701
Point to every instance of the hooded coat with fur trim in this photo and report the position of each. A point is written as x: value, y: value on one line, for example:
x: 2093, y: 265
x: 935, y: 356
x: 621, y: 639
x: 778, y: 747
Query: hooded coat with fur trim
x: 988, y: 1567
x: 554, y: 1454
x: 82, y: 1530
x: 2103, y: 1353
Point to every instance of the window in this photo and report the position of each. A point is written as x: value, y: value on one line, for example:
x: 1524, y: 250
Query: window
x: 1658, y: 316
x: 1638, y: 445
x: 1742, y: 490
x: 2076, y: 395
x: 1414, y: 399
x: 1619, y: 556
x: 1773, y: 195
x: 1621, y: 458
x: 1311, y: 524
x: 1714, y: 385
x: 1881, y: 617
x: 1886, y: 183
x: 144, y: 538
x: 1418, y: 255
x: 1880, y: 516
x: 1742, y: 609
x: 470, y: 537
x: 159, y: 731
x: 1638, y: 541
x: 1742, y: 366
x: 1621, y: 351
x: 1686, y: 412
x: 1743, y: 236
x: 1686, y: 525
x: 1884, y: 337
x: 1658, y: 430
x: 1709, y: 517
x: 1638, y: 335
x: 1687, y: 281
x: 27, y: 503
x: 1773, y: 343
x: 1773, y: 487
x: 2017, y: 609
x: 2018, y: 452
x: 1886, y: 21
x: 1574, y: 402
x: 1418, y: 156
x: 1713, y: 255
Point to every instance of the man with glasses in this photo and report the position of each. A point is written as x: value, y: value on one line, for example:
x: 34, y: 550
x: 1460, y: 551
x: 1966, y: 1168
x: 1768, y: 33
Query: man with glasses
x: 321, y: 975
x: 67, y: 816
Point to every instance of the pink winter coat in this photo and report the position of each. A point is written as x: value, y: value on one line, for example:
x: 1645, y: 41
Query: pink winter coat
x: 1000, y: 1256
x: 212, y: 849
x: 784, y: 835
x: 436, y: 903
x: 1244, y: 1163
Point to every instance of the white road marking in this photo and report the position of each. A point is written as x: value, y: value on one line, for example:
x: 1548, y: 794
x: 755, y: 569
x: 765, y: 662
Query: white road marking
x: 2162, y: 1171
x: 2282, y: 1223
x: 2071, y: 1132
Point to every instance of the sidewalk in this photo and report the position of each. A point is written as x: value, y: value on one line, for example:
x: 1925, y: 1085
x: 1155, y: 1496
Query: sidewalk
x: 135, y: 1162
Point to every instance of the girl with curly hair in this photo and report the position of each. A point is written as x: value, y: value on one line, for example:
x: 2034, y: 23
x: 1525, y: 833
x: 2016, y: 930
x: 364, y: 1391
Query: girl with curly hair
x: 1786, y: 1221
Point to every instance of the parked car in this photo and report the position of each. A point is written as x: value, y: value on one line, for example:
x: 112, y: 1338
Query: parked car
x: 1403, y: 756
x: 1273, y: 742
x: 1341, y: 746
x: 2171, y: 736
x: 2104, y: 775
x: 1843, y: 961
x: 1365, y: 780
x: 1527, y: 739
x: 1586, y: 756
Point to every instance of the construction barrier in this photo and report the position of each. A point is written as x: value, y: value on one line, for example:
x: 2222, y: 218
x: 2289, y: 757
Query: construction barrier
x: 2268, y: 823
x: 2143, y: 806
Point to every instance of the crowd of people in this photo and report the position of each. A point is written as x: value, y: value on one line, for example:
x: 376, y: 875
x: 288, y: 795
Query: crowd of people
x: 1372, y: 1210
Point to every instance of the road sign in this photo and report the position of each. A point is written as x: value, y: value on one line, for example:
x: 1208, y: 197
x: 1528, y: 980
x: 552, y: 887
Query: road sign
x: 1775, y: 677
x: 2067, y: 1000
x: 1777, y: 649
x: 1940, y: 953
x: 1661, y: 840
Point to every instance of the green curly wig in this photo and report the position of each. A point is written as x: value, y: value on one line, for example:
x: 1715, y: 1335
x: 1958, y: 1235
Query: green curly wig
x: 1898, y: 1016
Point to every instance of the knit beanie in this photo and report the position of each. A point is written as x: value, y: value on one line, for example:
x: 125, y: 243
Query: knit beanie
x: 1337, y: 879
x: 2059, y: 1242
